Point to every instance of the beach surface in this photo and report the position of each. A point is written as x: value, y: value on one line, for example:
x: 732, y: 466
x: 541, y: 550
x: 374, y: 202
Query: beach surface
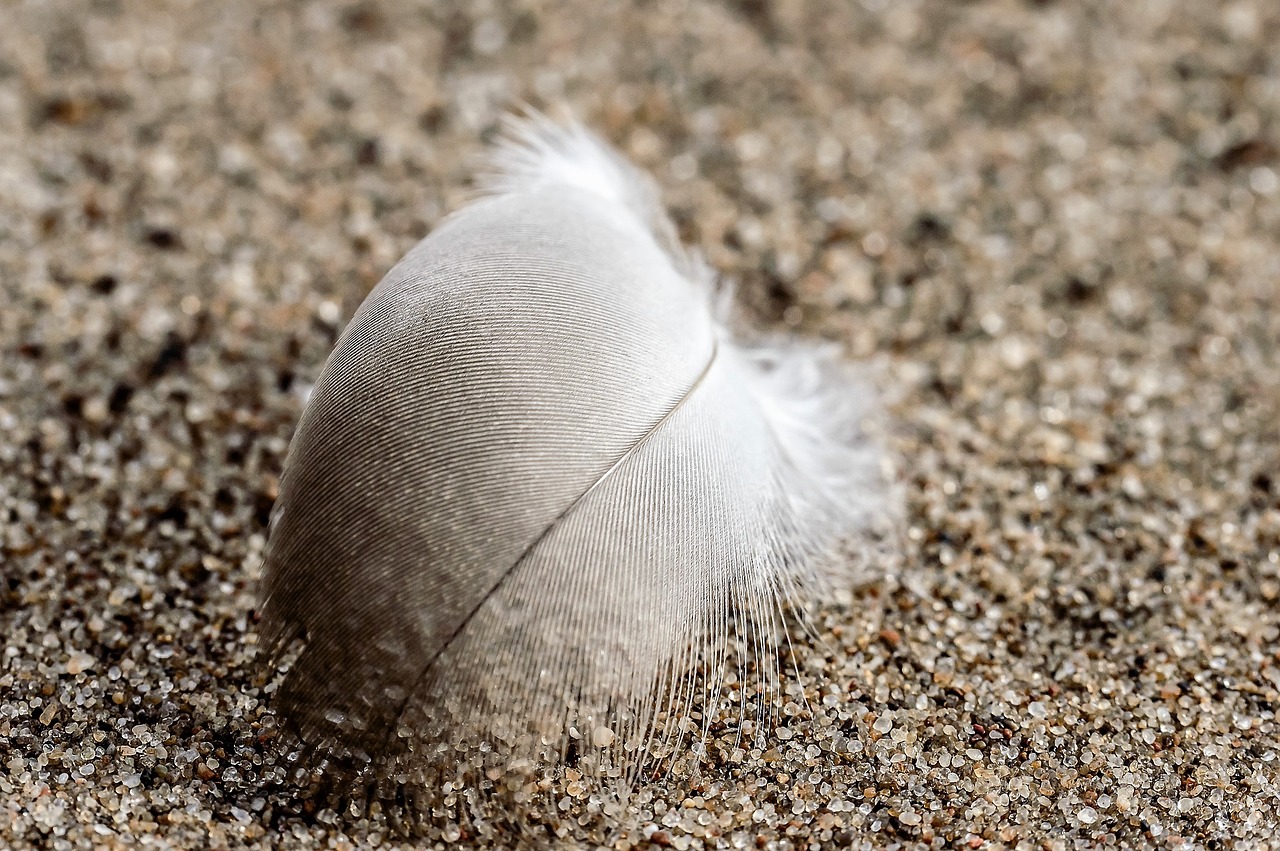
x: 1049, y: 230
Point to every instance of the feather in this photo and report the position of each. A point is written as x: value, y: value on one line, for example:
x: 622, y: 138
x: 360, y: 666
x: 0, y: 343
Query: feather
x: 539, y: 483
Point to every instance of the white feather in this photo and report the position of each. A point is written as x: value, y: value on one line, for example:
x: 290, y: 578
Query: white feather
x: 539, y: 486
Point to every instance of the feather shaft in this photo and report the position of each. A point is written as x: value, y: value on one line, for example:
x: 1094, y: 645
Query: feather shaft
x: 448, y: 642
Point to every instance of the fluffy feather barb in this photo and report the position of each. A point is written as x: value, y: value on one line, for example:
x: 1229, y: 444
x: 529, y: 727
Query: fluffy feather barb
x: 538, y: 485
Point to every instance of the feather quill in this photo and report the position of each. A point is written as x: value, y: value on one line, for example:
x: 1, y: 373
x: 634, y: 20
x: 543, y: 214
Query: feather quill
x: 539, y: 483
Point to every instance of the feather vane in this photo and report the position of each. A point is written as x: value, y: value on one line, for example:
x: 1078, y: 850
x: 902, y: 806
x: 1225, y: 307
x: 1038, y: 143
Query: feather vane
x: 539, y: 482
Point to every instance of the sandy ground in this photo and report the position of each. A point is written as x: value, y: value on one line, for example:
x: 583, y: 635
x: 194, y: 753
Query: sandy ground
x: 1049, y: 227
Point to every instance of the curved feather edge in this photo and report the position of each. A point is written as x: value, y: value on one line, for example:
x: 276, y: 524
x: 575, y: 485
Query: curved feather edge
x: 832, y: 483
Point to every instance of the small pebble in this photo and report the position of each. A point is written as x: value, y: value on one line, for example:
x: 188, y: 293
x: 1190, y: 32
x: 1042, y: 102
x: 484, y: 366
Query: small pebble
x: 79, y: 663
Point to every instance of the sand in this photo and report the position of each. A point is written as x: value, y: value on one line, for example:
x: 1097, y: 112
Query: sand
x: 1048, y: 229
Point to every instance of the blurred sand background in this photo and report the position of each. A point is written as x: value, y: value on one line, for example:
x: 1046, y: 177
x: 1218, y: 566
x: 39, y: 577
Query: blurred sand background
x: 1051, y: 228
